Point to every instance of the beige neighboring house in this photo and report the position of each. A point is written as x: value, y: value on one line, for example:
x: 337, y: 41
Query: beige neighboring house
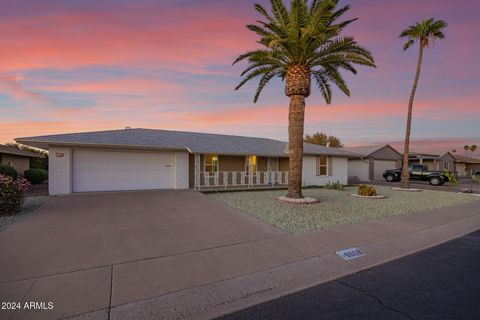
x: 464, y: 166
x: 431, y: 160
x: 372, y: 161
x: 16, y: 158
x: 139, y: 159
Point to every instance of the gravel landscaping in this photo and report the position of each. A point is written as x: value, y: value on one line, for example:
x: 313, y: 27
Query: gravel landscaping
x: 336, y: 207
x: 30, y: 204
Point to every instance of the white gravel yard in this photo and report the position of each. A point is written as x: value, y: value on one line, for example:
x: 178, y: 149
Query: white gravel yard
x: 29, y: 205
x: 336, y: 207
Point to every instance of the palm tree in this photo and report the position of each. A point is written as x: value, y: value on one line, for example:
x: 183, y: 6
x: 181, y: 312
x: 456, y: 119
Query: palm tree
x: 424, y: 32
x: 298, y: 44
x: 466, y: 148
x: 473, y: 148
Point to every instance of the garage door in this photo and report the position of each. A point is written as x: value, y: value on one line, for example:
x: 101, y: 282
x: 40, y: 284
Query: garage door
x: 122, y: 170
x: 381, y: 165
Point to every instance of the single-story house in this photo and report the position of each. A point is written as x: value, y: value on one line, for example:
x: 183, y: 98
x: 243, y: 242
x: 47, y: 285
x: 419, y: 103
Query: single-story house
x: 136, y: 159
x: 19, y: 159
x: 372, y: 161
x: 431, y: 160
x: 464, y: 166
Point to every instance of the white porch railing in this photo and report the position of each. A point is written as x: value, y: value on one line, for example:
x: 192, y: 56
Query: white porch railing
x: 240, y: 178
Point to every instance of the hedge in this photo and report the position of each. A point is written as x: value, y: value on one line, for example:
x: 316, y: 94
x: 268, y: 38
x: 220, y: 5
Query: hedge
x: 36, y: 176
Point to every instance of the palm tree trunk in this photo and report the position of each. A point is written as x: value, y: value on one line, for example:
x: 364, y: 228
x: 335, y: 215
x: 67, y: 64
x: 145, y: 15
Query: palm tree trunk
x: 296, y: 116
x: 406, y: 150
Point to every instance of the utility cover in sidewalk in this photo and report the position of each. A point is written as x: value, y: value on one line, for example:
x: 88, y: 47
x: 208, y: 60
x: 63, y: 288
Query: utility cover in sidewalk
x: 350, y: 253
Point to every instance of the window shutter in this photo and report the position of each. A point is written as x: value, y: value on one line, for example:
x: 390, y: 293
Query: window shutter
x: 317, y: 165
x: 330, y: 166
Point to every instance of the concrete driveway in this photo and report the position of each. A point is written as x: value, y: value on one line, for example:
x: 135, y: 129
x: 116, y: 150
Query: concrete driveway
x: 91, y: 252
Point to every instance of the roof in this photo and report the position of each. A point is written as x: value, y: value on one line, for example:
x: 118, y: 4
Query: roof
x: 460, y: 158
x: 12, y: 150
x: 366, y: 151
x: 418, y: 154
x: 194, y: 142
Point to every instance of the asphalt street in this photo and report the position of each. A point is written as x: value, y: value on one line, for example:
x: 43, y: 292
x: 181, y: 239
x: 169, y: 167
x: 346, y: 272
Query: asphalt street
x: 442, y: 282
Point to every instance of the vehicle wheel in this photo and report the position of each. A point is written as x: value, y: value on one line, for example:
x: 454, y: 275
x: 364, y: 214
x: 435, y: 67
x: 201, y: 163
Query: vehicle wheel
x: 390, y: 178
x: 435, y: 181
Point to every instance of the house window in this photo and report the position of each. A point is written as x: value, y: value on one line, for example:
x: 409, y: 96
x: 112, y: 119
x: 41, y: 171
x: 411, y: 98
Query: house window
x: 251, y: 165
x: 210, y: 164
x: 322, y: 165
x: 446, y: 166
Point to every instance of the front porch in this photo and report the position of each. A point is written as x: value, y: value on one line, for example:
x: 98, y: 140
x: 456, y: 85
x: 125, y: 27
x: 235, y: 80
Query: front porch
x: 212, y: 172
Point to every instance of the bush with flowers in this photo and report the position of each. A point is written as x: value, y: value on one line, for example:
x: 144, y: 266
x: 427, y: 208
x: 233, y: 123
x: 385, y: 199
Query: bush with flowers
x: 11, y: 193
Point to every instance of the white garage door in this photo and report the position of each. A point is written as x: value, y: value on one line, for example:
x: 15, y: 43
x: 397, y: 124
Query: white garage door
x: 381, y: 165
x: 122, y: 170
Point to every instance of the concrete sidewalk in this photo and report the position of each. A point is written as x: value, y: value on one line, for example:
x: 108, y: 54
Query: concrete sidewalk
x: 382, y: 241
x: 214, y: 280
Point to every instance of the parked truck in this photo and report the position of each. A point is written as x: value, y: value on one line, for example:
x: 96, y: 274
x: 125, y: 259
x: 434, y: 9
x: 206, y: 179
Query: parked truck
x: 417, y: 172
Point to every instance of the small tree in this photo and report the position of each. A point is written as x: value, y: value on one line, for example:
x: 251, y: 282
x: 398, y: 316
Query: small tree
x: 322, y: 139
x: 473, y: 148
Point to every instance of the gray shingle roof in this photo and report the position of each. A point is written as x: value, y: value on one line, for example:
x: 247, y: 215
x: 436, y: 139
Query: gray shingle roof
x: 193, y: 141
x: 10, y: 150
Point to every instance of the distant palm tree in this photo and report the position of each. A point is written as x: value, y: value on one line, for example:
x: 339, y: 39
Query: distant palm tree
x: 454, y: 150
x: 473, y: 148
x: 298, y: 44
x: 423, y: 32
x: 466, y: 148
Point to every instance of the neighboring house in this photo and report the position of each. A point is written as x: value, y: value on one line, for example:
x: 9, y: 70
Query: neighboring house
x: 16, y: 158
x: 462, y: 165
x: 431, y: 160
x: 372, y: 161
x: 136, y: 159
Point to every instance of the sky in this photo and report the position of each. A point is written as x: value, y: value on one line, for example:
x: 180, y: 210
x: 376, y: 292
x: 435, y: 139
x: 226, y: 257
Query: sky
x: 85, y: 65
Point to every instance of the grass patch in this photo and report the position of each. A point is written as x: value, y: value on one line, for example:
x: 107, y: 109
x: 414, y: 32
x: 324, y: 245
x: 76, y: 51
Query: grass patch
x: 29, y: 205
x: 336, y: 207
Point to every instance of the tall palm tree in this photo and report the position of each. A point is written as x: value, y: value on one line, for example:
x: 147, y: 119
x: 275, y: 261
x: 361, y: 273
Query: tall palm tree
x: 466, y: 148
x: 424, y: 32
x: 300, y: 43
x: 473, y: 148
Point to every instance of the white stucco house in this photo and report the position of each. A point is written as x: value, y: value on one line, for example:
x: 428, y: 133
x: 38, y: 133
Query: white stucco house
x: 140, y: 159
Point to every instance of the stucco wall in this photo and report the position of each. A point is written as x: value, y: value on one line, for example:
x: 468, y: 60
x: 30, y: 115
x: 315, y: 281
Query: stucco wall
x: 181, y: 177
x: 231, y: 163
x: 18, y: 162
x: 60, y: 170
x: 358, y: 168
x: 339, y: 167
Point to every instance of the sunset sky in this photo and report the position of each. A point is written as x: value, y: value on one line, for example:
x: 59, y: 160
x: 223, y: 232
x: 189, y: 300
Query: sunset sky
x: 84, y: 65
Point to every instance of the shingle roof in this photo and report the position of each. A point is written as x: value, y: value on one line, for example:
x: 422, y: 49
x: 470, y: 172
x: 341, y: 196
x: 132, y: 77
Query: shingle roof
x: 365, y: 151
x: 193, y: 141
x: 465, y: 159
x: 11, y: 150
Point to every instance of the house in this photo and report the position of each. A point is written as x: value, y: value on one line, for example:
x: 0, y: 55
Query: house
x: 431, y: 160
x: 464, y: 166
x: 19, y: 159
x: 136, y: 159
x: 372, y: 161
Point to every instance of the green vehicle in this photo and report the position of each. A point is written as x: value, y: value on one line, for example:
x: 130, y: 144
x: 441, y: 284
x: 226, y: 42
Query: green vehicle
x: 417, y: 172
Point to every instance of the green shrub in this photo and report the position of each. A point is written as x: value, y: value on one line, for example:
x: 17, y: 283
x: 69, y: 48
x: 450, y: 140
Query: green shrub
x: 476, y: 178
x: 11, y: 194
x: 36, y: 176
x: 452, y: 178
x: 7, y: 170
x: 366, y: 191
x: 334, y: 186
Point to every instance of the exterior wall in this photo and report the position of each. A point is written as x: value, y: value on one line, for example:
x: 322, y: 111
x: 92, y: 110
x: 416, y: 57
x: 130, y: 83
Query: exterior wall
x: 358, y: 168
x: 461, y: 169
x: 283, y: 164
x: 262, y: 163
x: 20, y: 163
x: 181, y: 175
x: 231, y: 163
x: 386, y: 153
x: 473, y: 167
x: 447, y: 158
x: 339, y: 166
x: 60, y: 171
